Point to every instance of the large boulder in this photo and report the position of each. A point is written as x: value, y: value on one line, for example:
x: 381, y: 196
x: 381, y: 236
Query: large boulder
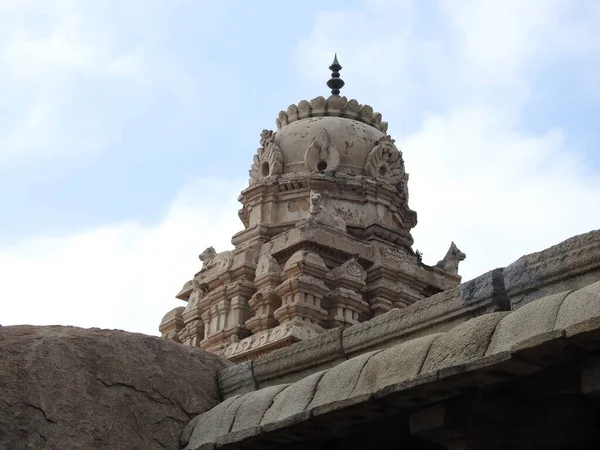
x: 73, y: 388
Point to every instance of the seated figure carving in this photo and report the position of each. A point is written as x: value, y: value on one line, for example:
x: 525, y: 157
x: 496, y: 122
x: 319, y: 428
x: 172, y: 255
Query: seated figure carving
x: 210, y: 258
x: 317, y: 213
x: 450, y: 262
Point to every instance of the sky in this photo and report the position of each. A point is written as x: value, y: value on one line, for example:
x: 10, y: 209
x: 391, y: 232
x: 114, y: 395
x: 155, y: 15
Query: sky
x: 127, y: 130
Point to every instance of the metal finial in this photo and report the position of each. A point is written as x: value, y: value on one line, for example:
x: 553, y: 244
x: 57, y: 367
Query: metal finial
x: 335, y: 83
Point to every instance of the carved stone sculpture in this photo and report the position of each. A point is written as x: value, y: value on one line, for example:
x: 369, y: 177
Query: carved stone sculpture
x: 333, y: 106
x: 450, y: 262
x: 321, y: 155
x: 344, y: 303
x: 385, y: 163
x: 268, y: 160
x: 210, y: 259
x: 319, y: 214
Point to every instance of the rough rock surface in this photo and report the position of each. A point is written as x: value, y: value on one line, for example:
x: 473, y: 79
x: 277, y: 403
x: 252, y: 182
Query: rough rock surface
x: 73, y: 388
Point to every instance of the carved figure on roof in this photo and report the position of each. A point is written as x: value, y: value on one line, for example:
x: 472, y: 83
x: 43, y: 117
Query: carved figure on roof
x: 450, y: 262
x: 210, y: 258
x: 318, y: 213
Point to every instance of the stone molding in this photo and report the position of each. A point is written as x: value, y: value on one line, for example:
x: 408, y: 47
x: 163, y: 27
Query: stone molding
x: 335, y: 106
x: 567, y: 265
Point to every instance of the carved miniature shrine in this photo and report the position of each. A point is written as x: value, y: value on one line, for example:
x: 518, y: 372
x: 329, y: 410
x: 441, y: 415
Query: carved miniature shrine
x: 326, y: 240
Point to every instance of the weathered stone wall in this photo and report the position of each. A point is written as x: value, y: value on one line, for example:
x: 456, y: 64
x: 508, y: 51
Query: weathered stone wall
x: 71, y: 388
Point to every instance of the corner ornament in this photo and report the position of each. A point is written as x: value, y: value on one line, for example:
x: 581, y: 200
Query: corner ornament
x: 268, y: 161
x: 385, y: 163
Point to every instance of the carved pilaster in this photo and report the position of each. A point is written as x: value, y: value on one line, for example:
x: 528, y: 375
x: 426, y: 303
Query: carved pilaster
x: 265, y: 301
x: 302, y: 291
x: 344, y: 303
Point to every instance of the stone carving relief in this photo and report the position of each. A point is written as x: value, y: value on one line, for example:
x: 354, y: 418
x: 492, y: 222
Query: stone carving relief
x: 211, y: 259
x: 298, y: 205
x: 321, y: 155
x: 450, y: 262
x: 244, y: 215
x: 332, y: 106
x: 385, y: 163
x: 268, y: 161
x: 266, y: 264
x: 353, y: 269
x: 269, y: 337
x: 402, y: 187
x: 319, y: 214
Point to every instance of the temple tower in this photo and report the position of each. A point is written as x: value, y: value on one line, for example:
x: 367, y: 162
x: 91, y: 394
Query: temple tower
x: 326, y: 240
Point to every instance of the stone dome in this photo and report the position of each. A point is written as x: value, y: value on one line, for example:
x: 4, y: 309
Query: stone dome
x: 328, y: 135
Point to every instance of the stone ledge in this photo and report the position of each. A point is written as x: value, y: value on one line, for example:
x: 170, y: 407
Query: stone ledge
x: 438, y: 313
x: 571, y: 264
x: 299, y: 360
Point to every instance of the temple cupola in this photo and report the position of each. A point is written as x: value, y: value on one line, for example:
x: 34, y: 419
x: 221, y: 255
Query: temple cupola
x: 340, y: 148
x: 326, y: 240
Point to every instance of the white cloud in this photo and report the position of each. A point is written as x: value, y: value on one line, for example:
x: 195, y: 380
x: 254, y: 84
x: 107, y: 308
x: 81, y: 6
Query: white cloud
x: 122, y: 276
x: 461, y: 80
x: 51, y: 52
x: 496, y: 192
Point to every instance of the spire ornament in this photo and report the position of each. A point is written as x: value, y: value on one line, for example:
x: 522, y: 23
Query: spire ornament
x: 335, y: 83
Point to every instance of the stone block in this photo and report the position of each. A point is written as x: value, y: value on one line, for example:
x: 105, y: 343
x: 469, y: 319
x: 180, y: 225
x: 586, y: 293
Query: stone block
x: 338, y: 383
x: 571, y: 264
x: 462, y: 344
x: 214, y: 423
x: 236, y: 380
x: 579, y: 306
x: 293, y: 363
x: 293, y: 400
x: 253, y: 408
x: 394, y: 365
x: 532, y: 319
